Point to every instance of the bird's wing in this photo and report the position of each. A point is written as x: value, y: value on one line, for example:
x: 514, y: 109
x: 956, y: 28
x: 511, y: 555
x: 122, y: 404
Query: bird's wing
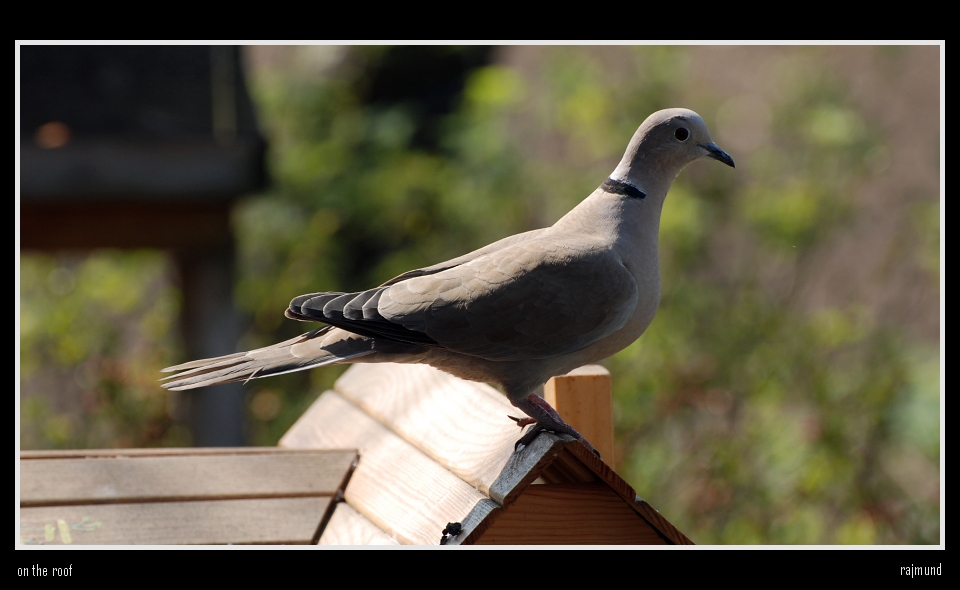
x: 357, y: 312
x: 488, y: 249
x: 533, y: 299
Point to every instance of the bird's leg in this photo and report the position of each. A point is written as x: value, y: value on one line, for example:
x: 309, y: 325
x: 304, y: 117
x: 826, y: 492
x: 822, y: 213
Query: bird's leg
x: 546, y: 419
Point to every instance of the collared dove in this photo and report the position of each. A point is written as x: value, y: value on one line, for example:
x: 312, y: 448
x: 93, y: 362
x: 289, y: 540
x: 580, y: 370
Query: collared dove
x: 516, y: 312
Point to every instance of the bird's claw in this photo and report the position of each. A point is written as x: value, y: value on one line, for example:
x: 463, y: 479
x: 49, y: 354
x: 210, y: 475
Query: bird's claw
x: 521, y: 422
x: 531, y: 434
x: 528, y: 436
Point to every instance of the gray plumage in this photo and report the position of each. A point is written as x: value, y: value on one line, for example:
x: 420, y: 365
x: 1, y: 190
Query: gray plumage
x: 516, y: 312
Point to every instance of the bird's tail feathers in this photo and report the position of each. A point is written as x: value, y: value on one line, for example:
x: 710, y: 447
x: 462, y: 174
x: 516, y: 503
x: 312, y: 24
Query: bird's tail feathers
x: 262, y: 362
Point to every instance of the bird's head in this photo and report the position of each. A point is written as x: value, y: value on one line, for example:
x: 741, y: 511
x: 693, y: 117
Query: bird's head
x: 666, y: 142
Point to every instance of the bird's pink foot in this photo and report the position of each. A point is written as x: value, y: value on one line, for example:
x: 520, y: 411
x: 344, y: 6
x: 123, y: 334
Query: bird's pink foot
x: 545, y: 418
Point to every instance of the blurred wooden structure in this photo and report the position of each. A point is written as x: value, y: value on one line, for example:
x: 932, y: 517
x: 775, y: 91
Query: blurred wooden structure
x: 179, y: 496
x: 435, y: 450
x: 146, y: 147
x: 431, y: 450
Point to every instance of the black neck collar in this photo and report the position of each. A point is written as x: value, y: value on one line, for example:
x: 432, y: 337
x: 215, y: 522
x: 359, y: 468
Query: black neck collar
x: 618, y: 187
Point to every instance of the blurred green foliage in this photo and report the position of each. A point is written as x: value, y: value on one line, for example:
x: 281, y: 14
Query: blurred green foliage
x: 93, y: 331
x: 742, y: 416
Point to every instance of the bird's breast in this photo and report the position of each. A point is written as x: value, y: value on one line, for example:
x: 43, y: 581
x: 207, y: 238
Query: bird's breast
x: 648, y: 301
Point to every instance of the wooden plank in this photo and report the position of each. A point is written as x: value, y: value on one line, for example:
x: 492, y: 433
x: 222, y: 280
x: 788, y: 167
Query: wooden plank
x: 567, y: 468
x: 525, y: 467
x: 273, y: 521
x: 398, y: 488
x: 601, y: 469
x: 569, y: 514
x: 584, y: 399
x: 51, y: 482
x: 118, y: 224
x: 157, y: 452
x: 664, y: 526
x: 625, y: 491
x: 349, y: 527
x: 460, y: 424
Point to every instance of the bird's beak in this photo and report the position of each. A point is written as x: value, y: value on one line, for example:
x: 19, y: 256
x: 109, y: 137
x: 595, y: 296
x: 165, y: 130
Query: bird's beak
x: 718, y: 154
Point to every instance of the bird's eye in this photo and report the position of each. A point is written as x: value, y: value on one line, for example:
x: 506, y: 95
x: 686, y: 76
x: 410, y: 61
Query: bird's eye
x: 682, y: 134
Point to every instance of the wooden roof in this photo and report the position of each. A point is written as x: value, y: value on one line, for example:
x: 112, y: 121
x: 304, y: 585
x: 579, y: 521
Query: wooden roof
x: 425, y: 450
x: 435, y: 450
x: 179, y: 496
